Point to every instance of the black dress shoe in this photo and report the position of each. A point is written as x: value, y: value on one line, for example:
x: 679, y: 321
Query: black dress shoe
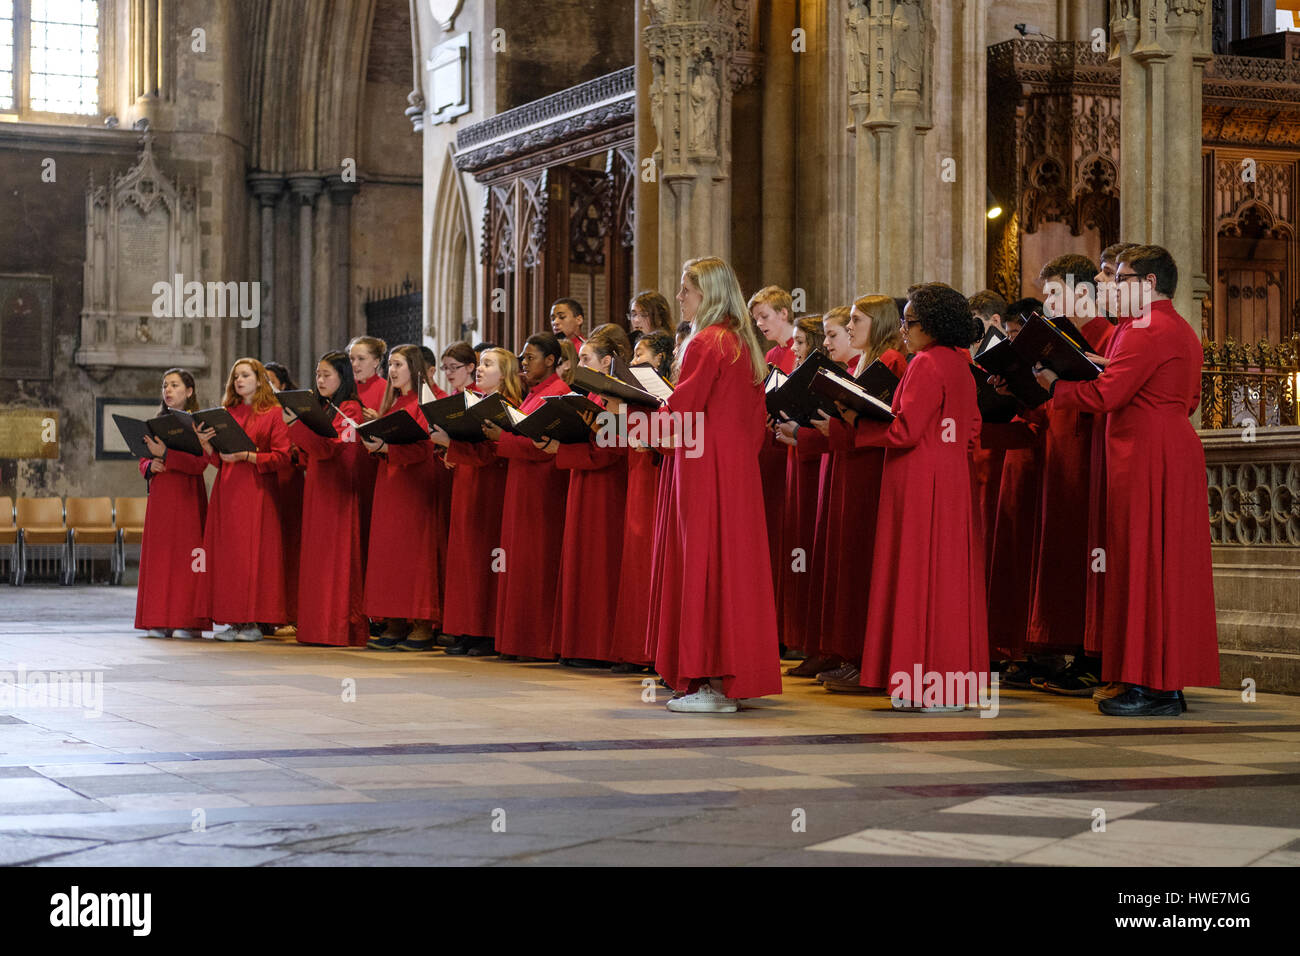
x: 458, y: 646
x: 481, y: 647
x: 1139, y: 701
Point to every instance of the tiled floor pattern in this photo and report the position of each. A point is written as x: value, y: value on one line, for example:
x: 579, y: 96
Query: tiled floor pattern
x: 279, y: 754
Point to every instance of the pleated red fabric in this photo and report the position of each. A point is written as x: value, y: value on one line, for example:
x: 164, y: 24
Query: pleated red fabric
x: 772, y: 460
x: 169, y: 588
x: 808, y: 471
x: 242, y: 539
x: 478, y: 491
x: 661, y: 554
x: 290, y: 487
x: 331, y: 583
x: 532, y: 534
x: 853, y: 503
x: 402, y: 565
x: 1159, y: 626
x: 591, y: 555
x: 927, y: 587
x: 717, y: 615
x: 1093, y: 597
x: 627, y: 639
x: 372, y: 396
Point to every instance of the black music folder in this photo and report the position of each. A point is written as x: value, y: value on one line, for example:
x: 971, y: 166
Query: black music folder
x: 1039, y: 341
x: 175, y: 429
x: 306, y: 406
x: 792, y: 399
x: 560, y: 417
x: 455, y: 414
x: 879, y: 381
x: 995, y: 408
x: 840, y: 388
x: 133, y: 431
x: 587, y: 381
x: 395, y: 428
x: 229, y: 439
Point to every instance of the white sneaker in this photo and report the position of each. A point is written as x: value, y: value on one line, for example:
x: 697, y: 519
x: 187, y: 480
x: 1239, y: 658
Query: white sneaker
x: 706, y: 700
x: 158, y: 632
x: 187, y: 634
x: 249, y: 634
x: 227, y: 635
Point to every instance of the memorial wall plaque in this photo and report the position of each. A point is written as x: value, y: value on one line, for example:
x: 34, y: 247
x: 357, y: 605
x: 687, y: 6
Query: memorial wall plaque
x: 26, y: 326
x: 141, y: 257
x: 28, y: 432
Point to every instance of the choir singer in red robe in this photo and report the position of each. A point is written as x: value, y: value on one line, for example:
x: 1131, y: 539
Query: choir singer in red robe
x: 1158, y: 627
x: 717, y: 635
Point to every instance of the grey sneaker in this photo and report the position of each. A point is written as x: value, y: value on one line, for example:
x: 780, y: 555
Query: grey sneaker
x: 249, y: 634
x: 227, y: 635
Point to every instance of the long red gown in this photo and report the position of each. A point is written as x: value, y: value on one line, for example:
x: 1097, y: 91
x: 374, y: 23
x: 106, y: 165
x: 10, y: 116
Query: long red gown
x: 402, y: 566
x: 772, y: 459
x: 1011, y: 563
x: 1061, y: 559
x: 1093, y: 598
x: 1159, y: 625
x: 627, y: 639
x: 854, y: 499
x: 478, y: 488
x: 291, y: 488
x: 586, y: 601
x: 807, y: 485
x: 717, y: 616
x: 242, y: 540
x: 532, y: 536
x: 665, y: 527
x: 371, y: 392
x: 927, y: 587
x: 331, y: 581
x: 169, y: 587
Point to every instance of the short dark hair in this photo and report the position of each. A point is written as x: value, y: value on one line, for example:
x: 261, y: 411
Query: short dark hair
x: 1156, y: 261
x: 546, y: 343
x: 1071, y: 267
x: 943, y: 313
x: 987, y: 304
x: 429, y: 358
x: 1021, y: 309
x: 461, y: 352
x: 1115, y: 251
x: 661, y: 343
x: 573, y: 304
x: 484, y: 346
x: 282, y: 373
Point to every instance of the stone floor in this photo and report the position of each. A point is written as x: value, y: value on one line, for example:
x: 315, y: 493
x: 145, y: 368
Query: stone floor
x: 276, y: 754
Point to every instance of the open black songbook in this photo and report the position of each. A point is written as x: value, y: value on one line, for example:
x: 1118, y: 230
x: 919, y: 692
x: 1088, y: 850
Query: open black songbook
x: 559, y: 417
x: 841, y: 388
x: 307, y: 407
x: 133, y: 431
x: 639, y: 385
x: 462, y: 416
x: 175, y: 429
x: 995, y: 408
x: 790, y: 397
x: 395, y: 428
x: 1039, y: 342
x: 229, y: 439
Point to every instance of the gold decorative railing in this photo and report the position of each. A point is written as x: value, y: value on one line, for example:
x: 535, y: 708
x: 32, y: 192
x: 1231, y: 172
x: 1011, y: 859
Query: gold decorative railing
x: 1250, y: 383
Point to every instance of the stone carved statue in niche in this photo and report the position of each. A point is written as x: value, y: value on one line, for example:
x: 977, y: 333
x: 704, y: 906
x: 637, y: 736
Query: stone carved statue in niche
x: 908, y: 45
x: 704, y: 109
x: 657, y: 102
x: 859, y: 48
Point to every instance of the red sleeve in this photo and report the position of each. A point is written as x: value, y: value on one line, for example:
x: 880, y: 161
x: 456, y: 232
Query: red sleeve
x: 701, y: 366
x: 587, y: 456
x: 510, y: 445
x: 144, y: 467
x: 416, y: 453
x: 276, y: 455
x: 918, y: 409
x: 811, y: 442
x: 473, y: 454
x: 315, y: 445
x: 184, y: 463
x: 841, y: 436
x: 1137, y: 353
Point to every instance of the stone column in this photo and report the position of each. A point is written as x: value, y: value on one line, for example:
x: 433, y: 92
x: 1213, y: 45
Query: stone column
x: 888, y: 49
x: 341, y: 193
x: 690, y: 43
x: 645, y: 199
x: 267, y: 188
x: 777, y: 243
x: 1162, y: 47
x: 305, y: 187
x: 150, y: 48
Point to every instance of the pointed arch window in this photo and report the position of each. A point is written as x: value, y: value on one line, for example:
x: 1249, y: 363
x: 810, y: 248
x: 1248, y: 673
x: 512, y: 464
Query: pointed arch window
x: 51, y: 58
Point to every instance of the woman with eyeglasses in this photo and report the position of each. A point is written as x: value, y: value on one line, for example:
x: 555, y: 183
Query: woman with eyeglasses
x: 927, y: 582
x: 716, y: 624
x: 532, y: 518
x: 474, y: 536
x: 330, y: 589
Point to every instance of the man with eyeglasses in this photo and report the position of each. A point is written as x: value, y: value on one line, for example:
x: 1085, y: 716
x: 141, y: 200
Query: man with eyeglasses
x: 1158, y: 624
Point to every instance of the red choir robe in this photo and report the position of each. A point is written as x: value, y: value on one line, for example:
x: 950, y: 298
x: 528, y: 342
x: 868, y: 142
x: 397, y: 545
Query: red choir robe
x: 807, y: 477
x: 627, y: 640
x: 1159, y: 625
x: 242, y: 540
x: 532, y: 536
x: 854, y: 497
x: 1011, y: 560
x: 773, y: 458
x: 1092, y: 618
x: 717, y: 617
x: 169, y: 586
x: 927, y: 588
x: 402, y: 565
x: 586, y: 601
x: 290, y: 487
x: 478, y: 489
x: 1061, y: 558
x: 443, y: 479
x: 371, y: 392
x: 331, y: 582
